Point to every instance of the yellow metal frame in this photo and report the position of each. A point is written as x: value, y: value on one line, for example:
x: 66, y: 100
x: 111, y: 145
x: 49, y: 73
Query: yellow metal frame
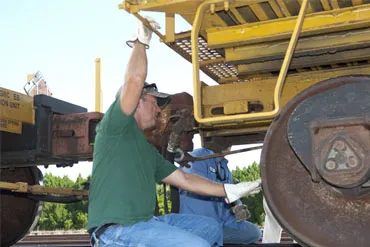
x: 278, y: 29
x: 276, y: 50
x: 98, y: 101
x: 279, y: 85
x: 15, y: 109
x: 205, y: 17
x: 216, y: 96
x: 37, y: 189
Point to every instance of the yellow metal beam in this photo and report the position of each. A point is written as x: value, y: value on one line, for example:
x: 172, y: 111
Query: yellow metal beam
x: 317, y: 44
x: 335, y: 71
x: 237, y: 15
x: 325, y: 4
x: 259, y: 12
x: 211, y: 61
x: 170, y: 27
x: 228, y: 79
x: 276, y: 9
x: 263, y: 89
x: 357, y: 2
x: 159, y: 5
x: 335, y: 4
x: 37, y: 189
x: 318, y: 23
x: 98, y: 104
x: 307, y: 61
x: 260, y: 127
x: 283, y: 8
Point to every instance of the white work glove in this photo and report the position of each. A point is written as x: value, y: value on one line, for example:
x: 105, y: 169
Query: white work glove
x: 143, y: 34
x: 243, y: 189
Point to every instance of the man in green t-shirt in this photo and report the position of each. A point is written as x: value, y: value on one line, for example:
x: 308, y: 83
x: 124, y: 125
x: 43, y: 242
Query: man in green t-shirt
x: 126, y: 169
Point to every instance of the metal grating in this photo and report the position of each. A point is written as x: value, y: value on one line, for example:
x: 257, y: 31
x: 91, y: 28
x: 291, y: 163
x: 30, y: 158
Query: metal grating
x: 212, y: 60
x: 205, y: 53
x: 209, y: 57
x: 223, y: 70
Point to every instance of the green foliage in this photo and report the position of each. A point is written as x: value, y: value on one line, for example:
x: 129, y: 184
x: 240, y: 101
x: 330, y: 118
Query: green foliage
x: 60, y: 216
x: 63, y: 216
x: 160, y: 198
x: 254, y: 202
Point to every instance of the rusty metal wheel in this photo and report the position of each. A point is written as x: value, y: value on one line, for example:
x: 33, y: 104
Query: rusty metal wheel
x: 317, y: 205
x: 18, y: 213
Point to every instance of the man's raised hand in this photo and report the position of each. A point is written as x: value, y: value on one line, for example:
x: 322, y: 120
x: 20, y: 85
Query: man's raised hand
x: 144, y: 34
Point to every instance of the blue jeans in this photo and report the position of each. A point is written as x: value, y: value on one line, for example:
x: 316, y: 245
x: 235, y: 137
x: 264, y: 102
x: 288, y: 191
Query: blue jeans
x: 168, y: 230
x: 243, y: 232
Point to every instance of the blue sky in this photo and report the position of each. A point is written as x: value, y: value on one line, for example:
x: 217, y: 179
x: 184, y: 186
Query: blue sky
x: 62, y: 39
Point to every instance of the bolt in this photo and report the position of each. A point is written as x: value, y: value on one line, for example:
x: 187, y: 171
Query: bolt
x: 339, y: 146
x: 330, y: 165
x: 341, y: 158
x: 352, y: 162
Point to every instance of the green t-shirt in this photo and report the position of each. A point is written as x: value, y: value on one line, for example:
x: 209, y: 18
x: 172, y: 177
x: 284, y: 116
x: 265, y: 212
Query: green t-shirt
x: 125, y: 171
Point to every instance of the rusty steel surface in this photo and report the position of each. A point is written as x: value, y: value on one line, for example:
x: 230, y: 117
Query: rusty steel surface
x: 18, y: 214
x: 74, y: 135
x: 340, y: 152
x: 334, y: 143
x: 314, y: 213
x: 159, y: 136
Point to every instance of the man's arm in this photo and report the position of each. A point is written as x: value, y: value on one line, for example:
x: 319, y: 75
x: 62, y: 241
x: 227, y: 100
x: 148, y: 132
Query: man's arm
x: 202, y: 186
x: 195, y: 184
x: 137, y: 67
x: 134, y: 79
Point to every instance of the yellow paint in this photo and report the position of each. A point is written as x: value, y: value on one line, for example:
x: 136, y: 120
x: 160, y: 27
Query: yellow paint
x: 37, y: 189
x: 307, y: 61
x: 276, y: 9
x: 263, y: 90
x: 325, y: 4
x: 235, y: 107
x: 272, y: 30
x: 16, y: 106
x: 170, y: 27
x: 280, y: 81
x: 237, y: 15
x: 11, y: 126
x: 259, y: 12
x: 357, y: 2
x: 98, y: 101
x: 320, y: 31
x: 264, y: 52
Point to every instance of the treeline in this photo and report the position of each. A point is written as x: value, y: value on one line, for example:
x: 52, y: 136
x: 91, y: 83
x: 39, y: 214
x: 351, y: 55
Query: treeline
x: 60, y: 216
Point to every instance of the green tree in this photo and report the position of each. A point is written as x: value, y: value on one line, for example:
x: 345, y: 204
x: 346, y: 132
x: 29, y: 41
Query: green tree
x: 253, y: 202
x: 60, y: 215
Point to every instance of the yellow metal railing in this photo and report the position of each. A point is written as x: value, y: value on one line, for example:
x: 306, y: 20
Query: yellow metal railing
x: 280, y: 82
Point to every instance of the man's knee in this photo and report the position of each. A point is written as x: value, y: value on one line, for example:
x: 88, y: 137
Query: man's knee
x: 257, y: 233
x: 213, y: 231
x: 212, y: 225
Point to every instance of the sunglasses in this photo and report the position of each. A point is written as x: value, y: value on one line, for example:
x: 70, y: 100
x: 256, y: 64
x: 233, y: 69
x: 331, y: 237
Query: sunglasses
x: 149, y: 88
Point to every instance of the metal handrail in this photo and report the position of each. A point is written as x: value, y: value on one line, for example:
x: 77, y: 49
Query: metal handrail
x: 280, y: 82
